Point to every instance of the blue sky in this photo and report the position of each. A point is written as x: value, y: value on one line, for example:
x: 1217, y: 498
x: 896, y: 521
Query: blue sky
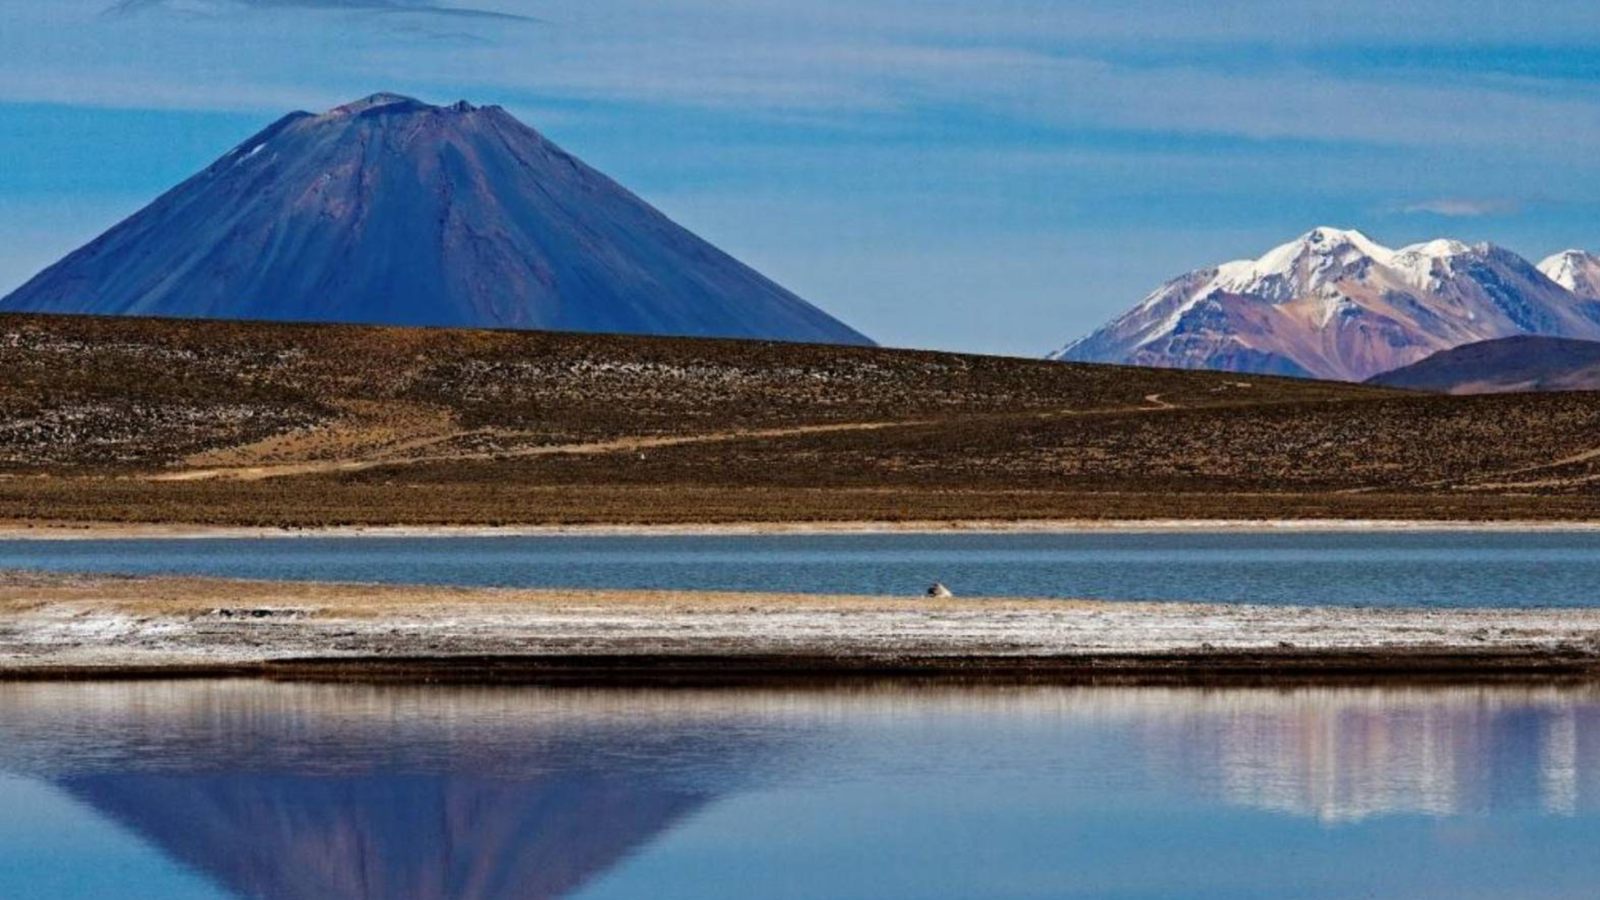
x: 987, y: 175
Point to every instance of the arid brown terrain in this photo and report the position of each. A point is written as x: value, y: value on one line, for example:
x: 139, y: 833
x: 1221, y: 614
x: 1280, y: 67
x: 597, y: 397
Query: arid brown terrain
x: 144, y: 421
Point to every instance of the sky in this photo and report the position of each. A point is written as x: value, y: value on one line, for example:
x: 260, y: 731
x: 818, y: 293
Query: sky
x: 996, y: 176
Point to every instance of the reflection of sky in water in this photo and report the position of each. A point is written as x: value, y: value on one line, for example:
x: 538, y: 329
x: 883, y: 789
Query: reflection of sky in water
x: 190, y: 790
x: 1379, y: 569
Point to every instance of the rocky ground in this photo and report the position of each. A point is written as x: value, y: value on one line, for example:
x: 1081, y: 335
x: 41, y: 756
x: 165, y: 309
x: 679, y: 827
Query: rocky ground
x: 140, y: 421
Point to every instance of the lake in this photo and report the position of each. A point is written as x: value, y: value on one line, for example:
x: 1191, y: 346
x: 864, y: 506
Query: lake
x: 1407, y: 568
x: 224, y: 790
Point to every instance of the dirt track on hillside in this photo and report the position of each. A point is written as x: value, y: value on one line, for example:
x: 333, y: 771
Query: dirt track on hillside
x: 373, y: 439
x: 259, y: 424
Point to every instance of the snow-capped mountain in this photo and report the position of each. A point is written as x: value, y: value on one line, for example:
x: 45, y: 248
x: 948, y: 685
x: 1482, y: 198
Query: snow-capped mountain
x: 1336, y: 304
x: 1576, y: 270
x: 392, y: 211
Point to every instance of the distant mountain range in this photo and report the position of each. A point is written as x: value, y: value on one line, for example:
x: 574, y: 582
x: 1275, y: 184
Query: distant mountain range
x: 1335, y: 304
x: 392, y: 211
x: 1525, y: 363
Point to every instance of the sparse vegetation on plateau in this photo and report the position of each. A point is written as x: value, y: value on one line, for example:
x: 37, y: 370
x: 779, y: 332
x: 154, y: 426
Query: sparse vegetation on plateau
x: 139, y: 420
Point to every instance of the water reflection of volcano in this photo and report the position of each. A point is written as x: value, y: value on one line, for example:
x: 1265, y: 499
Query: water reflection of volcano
x: 332, y: 792
x: 304, y: 793
x: 290, y: 837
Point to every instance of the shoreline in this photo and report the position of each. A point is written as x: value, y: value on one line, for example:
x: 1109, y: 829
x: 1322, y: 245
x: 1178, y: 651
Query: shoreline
x: 77, y: 627
x: 1267, y: 669
x: 146, y: 531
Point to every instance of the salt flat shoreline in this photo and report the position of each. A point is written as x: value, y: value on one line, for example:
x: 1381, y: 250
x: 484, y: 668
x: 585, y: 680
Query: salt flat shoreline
x: 86, y: 627
x: 120, y: 531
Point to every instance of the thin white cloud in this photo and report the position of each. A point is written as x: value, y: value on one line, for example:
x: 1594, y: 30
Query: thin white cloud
x: 1028, y: 61
x: 1461, y: 207
x: 218, y: 7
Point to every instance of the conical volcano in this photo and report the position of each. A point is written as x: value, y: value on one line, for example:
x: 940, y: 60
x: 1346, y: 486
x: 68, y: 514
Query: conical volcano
x: 392, y: 211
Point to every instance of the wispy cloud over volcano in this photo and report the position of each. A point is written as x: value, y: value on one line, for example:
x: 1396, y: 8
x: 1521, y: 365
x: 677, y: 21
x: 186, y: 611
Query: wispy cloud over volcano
x: 1462, y: 207
x: 421, y: 7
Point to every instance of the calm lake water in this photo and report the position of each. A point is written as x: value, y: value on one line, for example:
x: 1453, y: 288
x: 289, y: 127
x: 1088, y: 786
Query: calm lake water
x: 214, y: 790
x: 1442, y: 569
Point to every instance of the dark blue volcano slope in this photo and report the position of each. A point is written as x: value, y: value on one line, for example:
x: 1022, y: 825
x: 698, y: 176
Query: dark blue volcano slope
x: 392, y: 211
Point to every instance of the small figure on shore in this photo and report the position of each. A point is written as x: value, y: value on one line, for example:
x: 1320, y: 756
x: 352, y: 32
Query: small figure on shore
x: 939, y: 590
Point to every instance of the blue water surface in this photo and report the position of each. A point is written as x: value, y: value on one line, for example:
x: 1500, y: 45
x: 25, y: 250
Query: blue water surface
x: 1437, y: 569
x: 239, y: 790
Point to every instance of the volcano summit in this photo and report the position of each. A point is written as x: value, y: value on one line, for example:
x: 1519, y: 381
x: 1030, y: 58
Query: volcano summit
x: 392, y: 211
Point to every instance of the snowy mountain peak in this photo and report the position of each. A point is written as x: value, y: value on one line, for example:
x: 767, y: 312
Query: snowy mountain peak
x: 1334, y: 239
x: 1334, y: 303
x: 1430, y: 262
x: 1442, y: 248
x: 1321, y: 243
x: 1305, y: 264
x: 1576, y: 270
x: 1570, y: 254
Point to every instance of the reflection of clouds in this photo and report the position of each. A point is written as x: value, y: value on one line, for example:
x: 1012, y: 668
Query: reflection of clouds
x: 1343, y: 766
x: 1346, y: 755
x: 1558, y: 767
x: 1336, y: 754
